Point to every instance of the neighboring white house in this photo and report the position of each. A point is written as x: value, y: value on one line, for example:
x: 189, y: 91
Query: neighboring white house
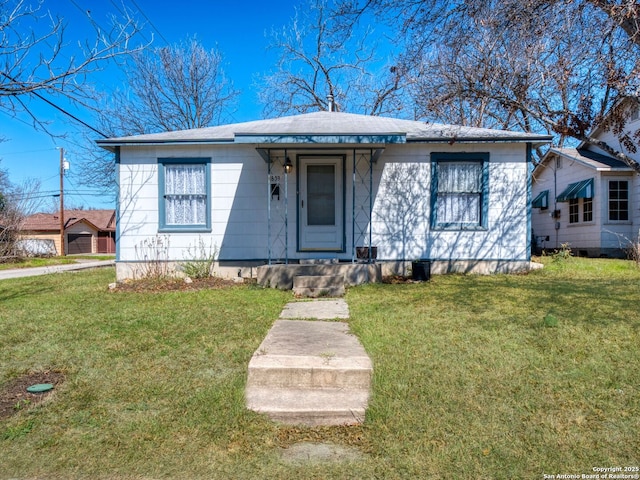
x: 319, y: 185
x: 587, y: 199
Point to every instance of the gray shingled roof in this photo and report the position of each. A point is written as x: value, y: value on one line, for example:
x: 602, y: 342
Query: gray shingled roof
x: 591, y: 159
x: 329, y: 127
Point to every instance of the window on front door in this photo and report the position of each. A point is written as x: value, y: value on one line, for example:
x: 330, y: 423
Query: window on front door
x: 321, y: 195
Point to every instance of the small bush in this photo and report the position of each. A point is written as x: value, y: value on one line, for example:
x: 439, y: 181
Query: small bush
x: 563, y: 253
x: 202, y: 257
x: 154, y: 254
x: 633, y: 250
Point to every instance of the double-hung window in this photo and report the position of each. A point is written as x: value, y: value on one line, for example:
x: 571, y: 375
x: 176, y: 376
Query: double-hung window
x: 184, y: 194
x: 576, y: 194
x: 587, y: 209
x: 618, y: 200
x: 574, y: 210
x: 459, y: 190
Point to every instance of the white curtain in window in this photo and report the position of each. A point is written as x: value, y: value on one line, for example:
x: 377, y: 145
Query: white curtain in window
x: 459, y: 190
x: 460, y: 177
x: 459, y: 208
x: 185, y: 195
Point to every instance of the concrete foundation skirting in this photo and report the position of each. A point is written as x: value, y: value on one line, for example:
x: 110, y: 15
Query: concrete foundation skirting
x: 441, y: 267
x: 238, y: 270
x: 281, y: 276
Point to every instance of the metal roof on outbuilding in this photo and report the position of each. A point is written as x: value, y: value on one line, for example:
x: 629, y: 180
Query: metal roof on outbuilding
x: 328, y: 128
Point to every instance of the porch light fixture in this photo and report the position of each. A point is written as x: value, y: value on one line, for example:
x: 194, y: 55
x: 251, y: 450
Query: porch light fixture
x: 288, y: 166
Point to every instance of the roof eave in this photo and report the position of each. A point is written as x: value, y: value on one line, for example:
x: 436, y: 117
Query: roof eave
x: 113, y: 143
x: 317, y: 139
x: 535, y: 141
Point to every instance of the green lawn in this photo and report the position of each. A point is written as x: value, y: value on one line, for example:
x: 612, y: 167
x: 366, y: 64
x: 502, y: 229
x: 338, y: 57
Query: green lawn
x: 474, y: 377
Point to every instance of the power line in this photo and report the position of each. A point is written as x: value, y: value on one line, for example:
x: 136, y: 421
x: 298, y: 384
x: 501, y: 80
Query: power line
x: 62, y: 110
x: 124, y: 14
x: 150, y: 22
x: 78, y: 192
x: 52, y: 193
x: 4, y: 154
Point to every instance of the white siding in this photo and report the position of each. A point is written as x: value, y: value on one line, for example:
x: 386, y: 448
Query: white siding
x: 612, y: 140
x: 507, y: 235
x: 597, y: 236
x: 616, y: 235
x: 401, y: 217
x: 581, y: 235
x: 542, y: 221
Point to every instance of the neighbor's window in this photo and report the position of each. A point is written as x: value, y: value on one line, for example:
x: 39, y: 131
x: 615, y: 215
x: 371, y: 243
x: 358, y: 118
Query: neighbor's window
x: 618, y: 200
x: 579, y: 193
x: 184, y: 202
x: 587, y: 209
x: 574, y: 210
x: 459, y: 190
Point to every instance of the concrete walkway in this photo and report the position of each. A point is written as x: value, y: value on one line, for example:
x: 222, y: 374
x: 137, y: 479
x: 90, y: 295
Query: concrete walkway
x: 310, y: 372
x: 33, y: 272
x: 316, y: 310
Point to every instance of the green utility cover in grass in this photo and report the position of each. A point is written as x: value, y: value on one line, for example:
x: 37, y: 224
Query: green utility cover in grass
x: 40, y: 388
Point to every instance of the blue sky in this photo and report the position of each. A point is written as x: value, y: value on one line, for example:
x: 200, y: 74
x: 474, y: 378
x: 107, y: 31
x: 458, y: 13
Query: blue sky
x: 239, y: 33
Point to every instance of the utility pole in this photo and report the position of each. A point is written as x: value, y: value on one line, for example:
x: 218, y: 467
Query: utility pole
x: 61, y: 201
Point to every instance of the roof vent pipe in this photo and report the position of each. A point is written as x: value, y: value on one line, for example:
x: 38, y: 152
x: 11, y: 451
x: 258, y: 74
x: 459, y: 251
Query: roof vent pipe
x: 332, y: 107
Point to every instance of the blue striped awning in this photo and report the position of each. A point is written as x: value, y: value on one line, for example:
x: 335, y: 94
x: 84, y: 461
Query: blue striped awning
x: 542, y: 200
x: 583, y: 189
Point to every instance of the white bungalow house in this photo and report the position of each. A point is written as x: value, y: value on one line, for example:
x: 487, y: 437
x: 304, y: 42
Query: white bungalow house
x: 330, y: 186
x: 586, y: 199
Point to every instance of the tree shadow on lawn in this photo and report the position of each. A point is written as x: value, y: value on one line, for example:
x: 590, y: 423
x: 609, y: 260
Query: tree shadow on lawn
x: 25, y: 290
x: 594, y: 302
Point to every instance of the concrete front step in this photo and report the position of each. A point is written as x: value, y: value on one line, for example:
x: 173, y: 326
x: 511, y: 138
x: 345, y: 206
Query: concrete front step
x: 311, y: 407
x: 310, y: 373
x: 314, y: 286
x: 281, y: 276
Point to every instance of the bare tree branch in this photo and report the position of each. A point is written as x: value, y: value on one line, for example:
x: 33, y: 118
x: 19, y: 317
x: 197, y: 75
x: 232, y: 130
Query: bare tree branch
x: 16, y: 202
x: 322, y: 55
x: 171, y: 88
x: 39, y: 62
x: 552, y: 66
